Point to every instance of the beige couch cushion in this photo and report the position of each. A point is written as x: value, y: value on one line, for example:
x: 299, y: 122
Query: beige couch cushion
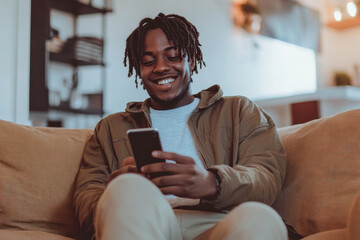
x: 323, y: 172
x: 38, y: 167
x: 29, y: 235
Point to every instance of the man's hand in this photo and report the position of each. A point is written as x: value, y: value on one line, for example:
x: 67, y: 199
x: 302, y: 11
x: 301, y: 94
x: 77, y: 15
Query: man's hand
x: 128, y: 166
x: 186, y: 179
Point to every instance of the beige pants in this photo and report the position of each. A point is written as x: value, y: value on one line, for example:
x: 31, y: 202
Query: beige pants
x: 133, y: 208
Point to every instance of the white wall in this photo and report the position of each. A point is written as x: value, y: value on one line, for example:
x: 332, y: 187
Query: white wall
x: 242, y: 64
x: 14, y: 60
x: 338, y: 48
x: 340, y: 52
x: 231, y: 56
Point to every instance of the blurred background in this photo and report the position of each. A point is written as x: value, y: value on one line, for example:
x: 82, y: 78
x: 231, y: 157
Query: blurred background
x: 61, y: 61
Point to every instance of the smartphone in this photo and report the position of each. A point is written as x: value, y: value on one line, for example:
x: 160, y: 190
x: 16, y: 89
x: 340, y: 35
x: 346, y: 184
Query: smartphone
x: 143, y: 142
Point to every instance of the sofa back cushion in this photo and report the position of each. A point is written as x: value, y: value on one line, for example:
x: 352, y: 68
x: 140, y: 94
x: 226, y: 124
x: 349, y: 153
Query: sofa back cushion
x: 38, y: 167
x: 323, y: 172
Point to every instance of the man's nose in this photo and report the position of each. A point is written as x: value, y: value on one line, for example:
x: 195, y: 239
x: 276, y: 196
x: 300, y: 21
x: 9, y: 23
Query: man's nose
x: 161, y: 66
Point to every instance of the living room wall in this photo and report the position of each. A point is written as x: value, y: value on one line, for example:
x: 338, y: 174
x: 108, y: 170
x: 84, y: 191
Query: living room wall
x: 243, y: 64
x: 338, y: 48
x: 14, y: 60
x: 211, y: 17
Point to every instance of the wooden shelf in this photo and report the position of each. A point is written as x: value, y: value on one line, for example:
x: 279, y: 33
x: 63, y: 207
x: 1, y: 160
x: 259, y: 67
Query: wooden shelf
x: 76, y: 7
x: 58, y: 57
x: 79, y: 111
x: 40, y: 55
x: 330, y: 101
x: 339, y: 93
x: 346, y: 23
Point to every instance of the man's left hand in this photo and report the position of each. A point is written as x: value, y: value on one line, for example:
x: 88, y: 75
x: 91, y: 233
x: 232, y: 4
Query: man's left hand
x: 185, y: 179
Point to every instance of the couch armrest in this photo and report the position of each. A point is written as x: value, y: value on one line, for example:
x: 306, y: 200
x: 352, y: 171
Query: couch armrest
x: 353, y: 229
x: 351, y: 232
x: 322, y: 173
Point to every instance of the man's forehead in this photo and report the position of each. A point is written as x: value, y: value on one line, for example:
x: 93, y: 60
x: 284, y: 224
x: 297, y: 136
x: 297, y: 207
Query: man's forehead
x: 156, y: 40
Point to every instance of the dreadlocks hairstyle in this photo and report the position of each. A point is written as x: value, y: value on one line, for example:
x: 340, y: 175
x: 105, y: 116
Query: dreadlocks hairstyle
x: 177, y: 29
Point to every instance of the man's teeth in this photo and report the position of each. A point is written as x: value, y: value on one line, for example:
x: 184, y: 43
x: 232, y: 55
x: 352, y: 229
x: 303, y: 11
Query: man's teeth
x: 165, y: 81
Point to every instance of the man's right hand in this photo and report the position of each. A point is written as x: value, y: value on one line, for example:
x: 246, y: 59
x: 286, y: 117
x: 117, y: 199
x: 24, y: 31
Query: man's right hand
x: 128, y: 166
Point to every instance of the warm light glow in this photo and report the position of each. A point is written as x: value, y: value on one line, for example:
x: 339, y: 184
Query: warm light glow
x: 337, y: 14
x: 240, y: 1
x: 351, y: 8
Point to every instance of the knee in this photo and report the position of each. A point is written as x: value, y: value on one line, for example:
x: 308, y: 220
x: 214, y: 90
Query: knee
x: 121, y: 198
x: 128, y: 181
x: 256, y: 211
x: 254, y: 215
x: 126, y: 187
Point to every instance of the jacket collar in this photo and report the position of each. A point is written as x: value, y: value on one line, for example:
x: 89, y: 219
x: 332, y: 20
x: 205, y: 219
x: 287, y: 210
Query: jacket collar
x: 207, y: 98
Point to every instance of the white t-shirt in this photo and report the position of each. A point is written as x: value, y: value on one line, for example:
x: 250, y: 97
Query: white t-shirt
x: 175, y: 137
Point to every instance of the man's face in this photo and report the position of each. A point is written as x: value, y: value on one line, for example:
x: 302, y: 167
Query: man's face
x: 165, y: 76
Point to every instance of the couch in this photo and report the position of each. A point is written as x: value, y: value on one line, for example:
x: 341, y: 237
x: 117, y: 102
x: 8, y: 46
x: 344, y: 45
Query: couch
x: 38, y: 168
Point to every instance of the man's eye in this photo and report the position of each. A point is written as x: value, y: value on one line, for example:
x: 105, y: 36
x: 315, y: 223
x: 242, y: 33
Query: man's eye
x: 174, y: 58
x: 148, y: 63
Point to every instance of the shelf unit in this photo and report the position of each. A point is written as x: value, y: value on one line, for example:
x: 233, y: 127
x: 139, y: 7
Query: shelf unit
x: 337, y: 93
x: 331, y: 100
x: 77, y: 111
x: 62, y: 58
x: 76, y: 7
x: 40, y: 56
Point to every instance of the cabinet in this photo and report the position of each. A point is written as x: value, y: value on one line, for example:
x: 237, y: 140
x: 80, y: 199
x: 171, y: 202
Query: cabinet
x: 346, y: 23
x: 323, y: 103
x: 41, y: 56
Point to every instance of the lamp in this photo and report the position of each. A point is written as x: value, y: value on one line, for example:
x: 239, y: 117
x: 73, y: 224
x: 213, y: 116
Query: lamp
x: 343, y: 11
x: 351, y: 8
x: 337, y: 14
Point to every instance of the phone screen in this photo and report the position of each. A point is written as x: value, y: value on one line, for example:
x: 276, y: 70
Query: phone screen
x: 143, y: 142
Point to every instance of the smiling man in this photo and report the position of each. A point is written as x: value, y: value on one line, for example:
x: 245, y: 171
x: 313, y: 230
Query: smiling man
x: 165, y: 74
x: 224, y: 160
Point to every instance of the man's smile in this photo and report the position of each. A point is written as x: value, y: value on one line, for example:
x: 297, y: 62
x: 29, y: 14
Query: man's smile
x: 166, y: 81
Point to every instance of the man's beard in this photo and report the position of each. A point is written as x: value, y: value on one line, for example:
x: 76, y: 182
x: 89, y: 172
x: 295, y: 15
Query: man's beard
x: 168, y: 104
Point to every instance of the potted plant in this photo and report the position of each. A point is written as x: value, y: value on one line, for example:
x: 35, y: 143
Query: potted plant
x: 342, y: 79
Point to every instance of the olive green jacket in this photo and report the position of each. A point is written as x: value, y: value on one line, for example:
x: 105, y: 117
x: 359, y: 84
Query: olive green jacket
x: 233, y: 136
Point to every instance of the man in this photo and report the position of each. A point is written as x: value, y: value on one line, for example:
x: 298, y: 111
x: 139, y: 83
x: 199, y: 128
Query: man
x: 223, y: 152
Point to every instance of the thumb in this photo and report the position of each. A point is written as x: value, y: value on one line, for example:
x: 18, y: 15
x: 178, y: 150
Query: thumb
x: 128, y: 161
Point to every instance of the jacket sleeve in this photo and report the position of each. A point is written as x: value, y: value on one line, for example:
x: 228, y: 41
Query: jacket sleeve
x: 92, y: 176
x: 258, y: 171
